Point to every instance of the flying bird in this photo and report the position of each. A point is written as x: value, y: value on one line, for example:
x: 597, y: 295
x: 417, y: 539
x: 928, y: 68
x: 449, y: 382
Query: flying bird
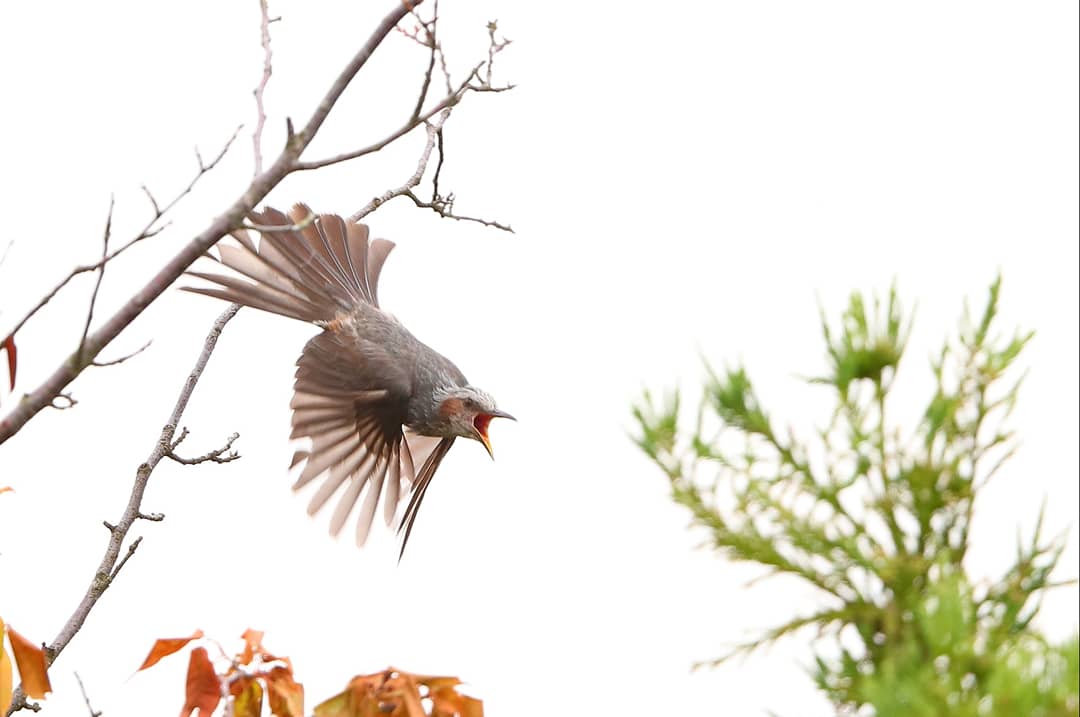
x: 379, y: 408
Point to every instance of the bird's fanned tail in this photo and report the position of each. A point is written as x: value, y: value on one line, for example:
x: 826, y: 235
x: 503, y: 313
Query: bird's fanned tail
x: 419, y: 488
x: 306, y: 267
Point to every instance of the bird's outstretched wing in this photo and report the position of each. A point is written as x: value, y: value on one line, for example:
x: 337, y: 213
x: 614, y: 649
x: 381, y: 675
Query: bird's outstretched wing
x: 351, y: 404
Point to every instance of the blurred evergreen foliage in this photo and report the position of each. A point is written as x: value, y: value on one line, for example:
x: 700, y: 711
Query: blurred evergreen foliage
x: 878, y: 520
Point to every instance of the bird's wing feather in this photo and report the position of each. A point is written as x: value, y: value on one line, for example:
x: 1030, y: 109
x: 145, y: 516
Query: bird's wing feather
x: 350, y: 402
x: 312, y: 269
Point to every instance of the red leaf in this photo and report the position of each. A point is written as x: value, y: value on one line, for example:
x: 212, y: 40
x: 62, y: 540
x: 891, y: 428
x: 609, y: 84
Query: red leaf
x: 165, y: 647
x: 12, y: 355
x: 31, y: 661
x: 203, y: 689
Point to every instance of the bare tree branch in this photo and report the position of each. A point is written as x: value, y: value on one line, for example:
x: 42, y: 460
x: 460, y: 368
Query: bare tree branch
x: 495, y: 46
x: 424, y: 35
x: 150, y: 229
x: 123, y: 358
x: 444, y: 207
x: 427, y: 40
x: 218, y: 455
x: 127, y: 556
x: 82, y: 688
x: 433, y: 129
x: 260, y: 89
x: 439, y: 165
x: 111, y: 562
x: 231, y: 218
x: 449, y: 101
x: 478, y: 80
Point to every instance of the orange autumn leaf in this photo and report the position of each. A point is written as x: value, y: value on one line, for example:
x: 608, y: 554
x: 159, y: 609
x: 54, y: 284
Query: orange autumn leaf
x: 249, y: 698
x: 353, y: 702
x: 6, y: 679
x: 395, y: 693
x: 267, y: 657
x: 203, y: 688
x: 237, y: 683
x: 32, y: 669
x: 165, y: 647
x: 410, y: 693
x: 252, y: 645
x: 364, y: 696
x: 446, y: 702
x: 471, y: 707
x: 340, y: 705
x: 433, y: 682
x: 286, y: 695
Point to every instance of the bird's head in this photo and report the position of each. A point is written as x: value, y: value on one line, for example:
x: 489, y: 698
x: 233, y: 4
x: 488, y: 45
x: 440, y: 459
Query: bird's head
x: 467, y: 411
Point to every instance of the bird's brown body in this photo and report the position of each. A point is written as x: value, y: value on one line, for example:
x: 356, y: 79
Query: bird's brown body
x: 377, y: 405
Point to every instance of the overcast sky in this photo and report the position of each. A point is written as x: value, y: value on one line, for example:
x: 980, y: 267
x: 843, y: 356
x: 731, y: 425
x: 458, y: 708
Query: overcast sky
x: 682, y: 182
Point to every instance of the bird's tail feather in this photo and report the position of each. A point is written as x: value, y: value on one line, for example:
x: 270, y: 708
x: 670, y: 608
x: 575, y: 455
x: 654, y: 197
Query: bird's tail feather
x: 306, y: 267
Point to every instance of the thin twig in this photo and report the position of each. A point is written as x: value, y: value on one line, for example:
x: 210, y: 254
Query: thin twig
x: 449, y: 101
x: 430, y: 42
x: 260, y: 89
x: 127, y: 556
x: 7, y: 248
x: 124, y: 358
x: 82, y: 688
x: 444, y: 207
x: 439, y: 165
x: 100, y: 276
x: 111, y: 562
x: 494, y: 48
x: 184, y: 433
x: 218, y: 455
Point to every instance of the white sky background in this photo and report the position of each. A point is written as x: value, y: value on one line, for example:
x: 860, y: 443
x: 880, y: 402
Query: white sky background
x: 678, y: 180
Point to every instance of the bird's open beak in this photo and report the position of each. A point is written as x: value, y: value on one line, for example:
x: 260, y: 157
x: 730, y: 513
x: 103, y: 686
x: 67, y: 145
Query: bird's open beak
x: 487, y: 444
x: 482, y: 426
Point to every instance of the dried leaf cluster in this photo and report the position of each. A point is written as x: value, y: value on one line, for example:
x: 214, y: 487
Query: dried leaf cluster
x: 254, y: 680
